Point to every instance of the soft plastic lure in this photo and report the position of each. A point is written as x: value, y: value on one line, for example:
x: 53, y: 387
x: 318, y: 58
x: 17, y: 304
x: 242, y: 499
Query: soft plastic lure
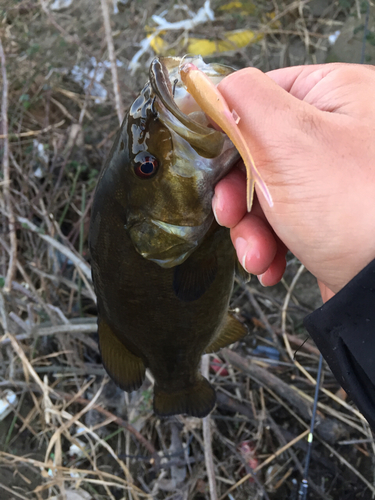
x: 212, y: 102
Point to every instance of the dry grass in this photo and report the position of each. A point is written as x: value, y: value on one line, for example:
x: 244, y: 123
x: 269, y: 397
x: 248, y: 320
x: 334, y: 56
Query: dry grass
x: 70, y: 428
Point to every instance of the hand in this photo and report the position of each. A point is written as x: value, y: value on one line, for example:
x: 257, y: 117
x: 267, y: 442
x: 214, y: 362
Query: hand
x: 311, y: 130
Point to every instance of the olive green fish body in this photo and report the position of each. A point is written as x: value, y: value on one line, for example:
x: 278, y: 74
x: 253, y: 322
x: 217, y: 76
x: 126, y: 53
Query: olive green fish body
x: 163, y: 269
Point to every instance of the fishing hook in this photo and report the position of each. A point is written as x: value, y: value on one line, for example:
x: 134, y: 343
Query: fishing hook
x: 174, y: 86
x: 299, y: 348
x: 152, y: 108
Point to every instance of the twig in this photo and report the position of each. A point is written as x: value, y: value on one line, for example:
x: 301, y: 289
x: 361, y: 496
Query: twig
x: 300, y: 344
x: 207, y: 438
x: 12, y: 492
x: 61, y: 371
x: 113, y: 480
x: 281, y: 450
x: 328, y: 393
x: 155, y: 460
x: 269, y: 380
x: 8, y: 202
x: 266, y: 462
x: 29, y: 370
x: 75, y: 258
x: 119, y: 421
x: 67, y: 328
x: 30, y: 133
x: 112, y: 59
x: 35, y: 296
x: 57, y: 434
x: 285, y: 307
x: 349, y: 466
x: 365, y: 32
x: 40, y: 331
x: 266, y: 323
x: 65, y: 34
x: 297, y: 364
x: 282, y: 441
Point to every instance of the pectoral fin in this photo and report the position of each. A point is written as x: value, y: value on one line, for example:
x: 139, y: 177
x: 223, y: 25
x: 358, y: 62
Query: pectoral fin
x: 126, y: 369
x: 193, y: 277
x: 231, y: 332
x: 241, y: 273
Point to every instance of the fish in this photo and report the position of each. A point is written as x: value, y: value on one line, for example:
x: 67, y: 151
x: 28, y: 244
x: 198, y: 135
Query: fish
x: 163, y: 269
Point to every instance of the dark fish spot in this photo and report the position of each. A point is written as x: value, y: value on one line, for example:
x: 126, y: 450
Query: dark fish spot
x: 192, y: 278
x: 122, y: 145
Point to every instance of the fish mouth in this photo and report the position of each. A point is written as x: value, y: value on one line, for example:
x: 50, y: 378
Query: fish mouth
x: 178, y: 109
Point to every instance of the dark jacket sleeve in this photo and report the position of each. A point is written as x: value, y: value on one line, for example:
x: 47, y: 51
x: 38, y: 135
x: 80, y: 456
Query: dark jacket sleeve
x: 344, y: 331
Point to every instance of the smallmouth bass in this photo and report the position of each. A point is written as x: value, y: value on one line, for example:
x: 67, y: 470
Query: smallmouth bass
x: 163, y: 269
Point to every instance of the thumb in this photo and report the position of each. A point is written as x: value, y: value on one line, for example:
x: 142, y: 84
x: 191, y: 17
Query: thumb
x: 268, y: 113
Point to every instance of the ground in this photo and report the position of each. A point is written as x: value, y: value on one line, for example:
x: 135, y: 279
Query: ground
x: 70, y: 433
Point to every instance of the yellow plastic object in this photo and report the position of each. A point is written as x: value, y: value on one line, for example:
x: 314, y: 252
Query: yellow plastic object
x: 158, y: 45
x: 232, y: 40
x: 245, y: 7
x: 231, y: 6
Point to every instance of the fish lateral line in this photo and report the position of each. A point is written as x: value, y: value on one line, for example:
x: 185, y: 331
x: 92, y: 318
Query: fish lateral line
x: 213, y: 103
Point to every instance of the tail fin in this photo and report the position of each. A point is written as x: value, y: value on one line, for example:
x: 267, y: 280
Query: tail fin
x: 196, y: 400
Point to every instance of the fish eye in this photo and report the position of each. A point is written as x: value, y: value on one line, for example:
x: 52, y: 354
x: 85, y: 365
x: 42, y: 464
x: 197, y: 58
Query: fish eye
x: 146, y: 165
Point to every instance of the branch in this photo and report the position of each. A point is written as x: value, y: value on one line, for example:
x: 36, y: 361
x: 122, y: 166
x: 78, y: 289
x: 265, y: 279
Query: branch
x: 81, y: 265
x: 8, y: 202
x: 208, y: 439
x: 112, y: 59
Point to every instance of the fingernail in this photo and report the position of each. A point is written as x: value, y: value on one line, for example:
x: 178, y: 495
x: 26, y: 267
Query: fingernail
x: 241, y: 249
x: 215, y: 206
x: 260, y: 278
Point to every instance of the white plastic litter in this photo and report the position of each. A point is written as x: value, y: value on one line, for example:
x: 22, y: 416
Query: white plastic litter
x: 203, y: 15
x: 85, y: 74
x: 40, y: 154
x: 60, y: 4
x: 115, y: 5
x: 7, y: 401
x: 76, y: 451
x: 332, y: 38
x: 76, y: 494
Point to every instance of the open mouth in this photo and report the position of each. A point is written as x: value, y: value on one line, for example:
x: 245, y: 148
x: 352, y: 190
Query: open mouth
x: 185, y: 116
x: 170, y: 77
